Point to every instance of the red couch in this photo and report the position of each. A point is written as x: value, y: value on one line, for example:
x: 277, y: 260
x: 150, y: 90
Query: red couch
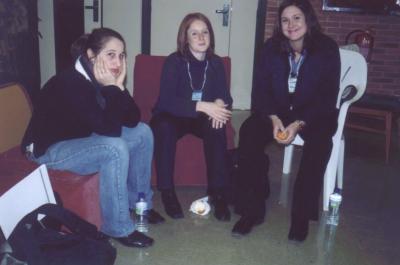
x: 78, y: 193
x: 190, y: 167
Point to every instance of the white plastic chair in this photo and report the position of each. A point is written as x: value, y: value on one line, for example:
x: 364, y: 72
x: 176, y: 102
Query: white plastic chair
x: 353, y: 80
x: 24, y: 197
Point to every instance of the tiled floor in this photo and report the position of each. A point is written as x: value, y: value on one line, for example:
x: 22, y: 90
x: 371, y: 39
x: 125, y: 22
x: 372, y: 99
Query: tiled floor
x: 368, y: 232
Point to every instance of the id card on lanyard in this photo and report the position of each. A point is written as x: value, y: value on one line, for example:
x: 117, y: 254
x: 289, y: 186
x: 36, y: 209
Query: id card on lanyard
x: 197, y: 95
x: 294, y: 71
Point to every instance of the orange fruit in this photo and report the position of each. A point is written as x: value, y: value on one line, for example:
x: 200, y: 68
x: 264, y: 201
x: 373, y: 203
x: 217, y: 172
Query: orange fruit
x: 282, y: 135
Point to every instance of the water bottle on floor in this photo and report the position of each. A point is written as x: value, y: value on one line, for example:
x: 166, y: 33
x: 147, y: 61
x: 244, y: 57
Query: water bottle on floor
x: 334, y: 202
x: 141, y: 214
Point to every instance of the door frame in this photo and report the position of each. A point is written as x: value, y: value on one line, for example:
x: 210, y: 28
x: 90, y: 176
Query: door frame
x: 259, y: 34
x: 64, y: 33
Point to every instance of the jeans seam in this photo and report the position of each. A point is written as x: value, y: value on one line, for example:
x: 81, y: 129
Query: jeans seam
x: 76, y: 154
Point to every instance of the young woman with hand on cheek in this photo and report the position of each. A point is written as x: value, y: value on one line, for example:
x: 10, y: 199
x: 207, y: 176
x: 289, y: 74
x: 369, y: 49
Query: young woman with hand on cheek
x: 85, y: 121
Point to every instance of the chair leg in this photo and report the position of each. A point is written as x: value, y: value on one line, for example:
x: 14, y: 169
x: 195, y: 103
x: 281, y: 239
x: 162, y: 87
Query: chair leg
x: 287, y: 159
x: 284, y: 192
x: 340, y: 164
x: 329, y: 187
x: 330, y: 175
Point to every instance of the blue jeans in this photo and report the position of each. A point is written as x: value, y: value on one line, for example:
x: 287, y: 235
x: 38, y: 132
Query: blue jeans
x: 124, y: 164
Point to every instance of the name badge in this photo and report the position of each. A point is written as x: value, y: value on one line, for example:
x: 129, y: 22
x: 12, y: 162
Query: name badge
x: 196, y: 95
x: 292, y: 84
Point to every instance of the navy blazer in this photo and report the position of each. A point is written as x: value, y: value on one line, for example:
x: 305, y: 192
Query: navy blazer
x: 317, y: 84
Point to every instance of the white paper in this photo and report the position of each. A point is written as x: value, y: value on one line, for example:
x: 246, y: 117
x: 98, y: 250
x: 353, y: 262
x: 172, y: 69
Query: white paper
x: 24, y: 197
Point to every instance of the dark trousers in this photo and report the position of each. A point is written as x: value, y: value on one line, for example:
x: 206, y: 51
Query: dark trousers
x: 255, y: 133
x: 168, y: 129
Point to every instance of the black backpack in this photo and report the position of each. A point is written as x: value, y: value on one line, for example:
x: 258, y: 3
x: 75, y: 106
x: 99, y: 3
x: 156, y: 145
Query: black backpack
x: 61, y: 238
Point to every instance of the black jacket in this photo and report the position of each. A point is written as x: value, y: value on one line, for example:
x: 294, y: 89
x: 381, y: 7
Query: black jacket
x: 316, y: 89
x: 176, y: 93
x: 68, y: 108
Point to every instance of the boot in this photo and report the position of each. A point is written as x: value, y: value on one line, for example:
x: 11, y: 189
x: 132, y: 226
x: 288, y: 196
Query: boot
x: 221, y: 210
x: 171, y: 204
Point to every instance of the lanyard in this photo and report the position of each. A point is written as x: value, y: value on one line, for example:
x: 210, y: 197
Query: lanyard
x: 294, y: 71
x: 204, y: 77
x: 295, y: 66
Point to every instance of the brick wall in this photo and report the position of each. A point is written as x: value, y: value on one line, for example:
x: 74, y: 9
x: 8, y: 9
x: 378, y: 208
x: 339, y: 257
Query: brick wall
x: 384, y: 68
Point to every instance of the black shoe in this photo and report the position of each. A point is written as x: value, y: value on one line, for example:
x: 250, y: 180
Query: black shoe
x: 245, y: 224
x: 298, y: 230
x: 154, y: 217
x: 221, y: 210
x: 171, y: 204
x: 135, y: 239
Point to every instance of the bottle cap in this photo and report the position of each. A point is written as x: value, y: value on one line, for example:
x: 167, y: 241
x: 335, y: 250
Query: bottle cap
x: 337, y: 190
x: 141, y: 195
x: 336, y: 197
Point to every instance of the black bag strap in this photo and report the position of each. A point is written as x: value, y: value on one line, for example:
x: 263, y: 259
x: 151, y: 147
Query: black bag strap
x: 69, y: 219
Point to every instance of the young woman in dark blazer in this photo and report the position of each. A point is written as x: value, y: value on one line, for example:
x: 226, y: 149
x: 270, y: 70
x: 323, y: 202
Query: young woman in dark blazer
x: 194, y: 99
x: 297, y: 84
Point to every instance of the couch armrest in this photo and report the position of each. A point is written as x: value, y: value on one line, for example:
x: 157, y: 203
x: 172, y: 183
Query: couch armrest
x: 15, y: 113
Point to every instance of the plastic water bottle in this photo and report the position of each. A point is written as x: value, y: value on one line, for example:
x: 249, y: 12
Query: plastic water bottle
x: 141, y: 214
x: 334, y: 202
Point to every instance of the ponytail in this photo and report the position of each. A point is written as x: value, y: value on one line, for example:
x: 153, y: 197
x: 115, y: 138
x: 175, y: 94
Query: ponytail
x: 78, y: 47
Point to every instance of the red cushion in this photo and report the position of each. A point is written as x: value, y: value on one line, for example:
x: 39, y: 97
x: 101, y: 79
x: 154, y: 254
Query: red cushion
x: 78, y: 193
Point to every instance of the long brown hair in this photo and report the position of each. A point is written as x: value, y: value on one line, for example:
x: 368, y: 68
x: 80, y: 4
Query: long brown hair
x: 182, y: 39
